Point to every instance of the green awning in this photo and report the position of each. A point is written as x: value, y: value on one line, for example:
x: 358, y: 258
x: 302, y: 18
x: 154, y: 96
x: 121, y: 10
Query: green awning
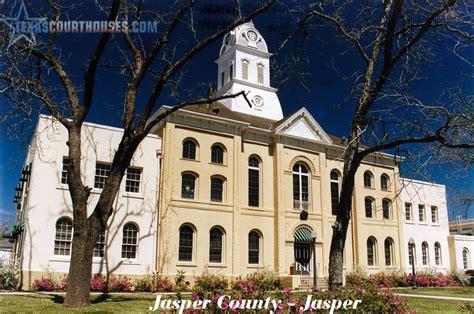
x: 303, y: 235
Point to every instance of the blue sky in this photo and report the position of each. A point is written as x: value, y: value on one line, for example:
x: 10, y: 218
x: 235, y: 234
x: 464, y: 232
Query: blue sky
x: 324, y: 95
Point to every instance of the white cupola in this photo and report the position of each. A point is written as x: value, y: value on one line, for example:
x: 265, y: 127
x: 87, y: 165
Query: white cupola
x: 244, y: 64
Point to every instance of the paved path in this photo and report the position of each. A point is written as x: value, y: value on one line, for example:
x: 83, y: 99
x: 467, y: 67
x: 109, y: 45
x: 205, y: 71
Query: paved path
x: 434, y: 297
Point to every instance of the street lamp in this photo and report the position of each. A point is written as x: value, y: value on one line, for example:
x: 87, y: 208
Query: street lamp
x: 411, y: 242
x: 315, y: 271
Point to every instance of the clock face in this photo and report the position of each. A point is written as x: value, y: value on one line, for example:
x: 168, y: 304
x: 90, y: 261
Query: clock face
x: 252, y: 35
x: 257, y: 101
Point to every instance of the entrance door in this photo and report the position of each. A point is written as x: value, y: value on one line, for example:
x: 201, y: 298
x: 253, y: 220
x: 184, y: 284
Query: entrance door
x: 302, y: 258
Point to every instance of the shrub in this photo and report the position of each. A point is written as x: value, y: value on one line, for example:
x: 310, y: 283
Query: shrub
x: 144, y: 284
x: 63, y: 284
x: 121, y: 285
x: 256, y: 284
x: 97, y: 284
x: 163, y: 284
x: 8, y: 275
x: 396, y: 279
x: 43, y: 284
x: 208, y: 286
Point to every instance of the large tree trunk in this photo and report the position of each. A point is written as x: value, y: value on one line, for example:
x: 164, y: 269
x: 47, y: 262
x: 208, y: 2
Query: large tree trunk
x: 336, y: 271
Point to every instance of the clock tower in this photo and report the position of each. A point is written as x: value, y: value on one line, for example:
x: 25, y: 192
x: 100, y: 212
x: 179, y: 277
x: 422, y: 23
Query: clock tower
x: 244, y: 65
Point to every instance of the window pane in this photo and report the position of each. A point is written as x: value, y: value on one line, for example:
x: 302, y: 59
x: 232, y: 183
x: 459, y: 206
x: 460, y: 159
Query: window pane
x: 388, y: 252
x: 367, y: 180
x: 254, y: 187
x: 102, y: 172
x: 424, y: 253
x: 186, y: 244
x: 384, y: 182
x: 188, y: 185
x: 386, y: 209
x: 217, y: 154
x: 368, y: 208
x: 130, y: 240
x: 254, y: 247
x: 64, y: 170
x: 189, y: 149
x: 421, y: 212
x: 217, y: 187
x: 434, y: 214
x: 132, y: 181
x: 408, y: 211
x: 63, y: 238
x: 370, y: 252
x: 437, y: 254
x: 411, y: 249
x: 245, y: 70
x: 99, y: 248
x: 260, y: 74
x: 215, y: 246
x: 296, y: 187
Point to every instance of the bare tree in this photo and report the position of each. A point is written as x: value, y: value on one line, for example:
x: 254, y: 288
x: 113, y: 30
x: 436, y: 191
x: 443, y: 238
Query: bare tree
x: 395, y: 40
x: 40, y: 75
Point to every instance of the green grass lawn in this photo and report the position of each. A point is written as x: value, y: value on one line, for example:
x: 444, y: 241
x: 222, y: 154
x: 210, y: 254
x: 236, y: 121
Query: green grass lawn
x: 459, y: 292
x: 43, y: 303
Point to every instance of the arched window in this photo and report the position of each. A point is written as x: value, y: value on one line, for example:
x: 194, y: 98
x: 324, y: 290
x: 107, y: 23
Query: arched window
x: 388, y: 248
x: 189, y: 149
x: 215, y: 245
x: 371, y: 251
x: 334, y: 191
x: 260, y: 74
x: 438, y: 259
x: 99, y: 248
x: 384, y: 182
x: 424, y: 253
x: 254, y: 247
x: 130, y: 241
x: 217, y: 189
x: 63, y: 238
x: 368, y: 179
x: 369, y: 207
x: 186, y: 241
x: 245, y: 70
x: 466, y: 258
x: 188, y: 185
x: 386, y: 208
x: 254, y: 182
x: 217, y: 154
x: 411, y: 253
x: 300, y: 186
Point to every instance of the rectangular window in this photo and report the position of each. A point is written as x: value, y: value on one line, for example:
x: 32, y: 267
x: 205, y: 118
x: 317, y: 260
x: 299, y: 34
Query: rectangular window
x: 421, y: 213
x: 434, y: 214
x: 102, y: 172
x: 132, y: 181
x: 64, y: 170
x: 245, y: 70
x: 99, y: 248
x: 334, y: 197
x: 408, y: 215
x: 231, y: 72
x: 368, y: 208
x: 222, y: 78
x: 260, y: 74
x: 254, y: 187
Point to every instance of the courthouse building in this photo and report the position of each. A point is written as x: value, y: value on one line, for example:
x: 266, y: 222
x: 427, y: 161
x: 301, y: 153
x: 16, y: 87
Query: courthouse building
x: 229, y: 188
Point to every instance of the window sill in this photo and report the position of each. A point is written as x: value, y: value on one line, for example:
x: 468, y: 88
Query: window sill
x: 58, y: 258
x: 129, y: 261
x: 411, y: 222
x: 133, y: 195
x: 216, y: 265
x: 99, y: 260
x: 255, y: 266
x: 186, y: 264
x: 217, y: 164
x: 435, y: 224
x: 62, y: 187
x: 188, y: 159
x: 369, y: 188
x: 423, y: 223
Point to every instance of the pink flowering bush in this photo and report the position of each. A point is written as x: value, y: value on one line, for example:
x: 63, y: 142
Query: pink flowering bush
x: 63, y: 284
x: 121, y: 285
x: 164, y: 284
x: 98, y: 284
x: 255, y: 285
x: 43, y: 284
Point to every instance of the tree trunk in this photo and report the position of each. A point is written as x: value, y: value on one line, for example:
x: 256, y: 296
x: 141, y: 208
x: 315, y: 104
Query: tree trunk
x: 336, y: 271
x: 80, y: 269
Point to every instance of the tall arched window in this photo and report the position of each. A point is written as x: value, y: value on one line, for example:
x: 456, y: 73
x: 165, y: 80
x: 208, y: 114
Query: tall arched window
x: 386, y: 208
x: 438, y: 258
x: 189, y: 149
x: 217, y: 189
x: 217, y: 154
x: 300, y: 186
x: 371, y: 251
x: 188, y: 185
x: 260, y: 74
x: 466, y: 259
x: 63, y: 238
x: 254, y: 247
x: 368, y: 179
x: 186, y: 241
x: 369, y: 207
x: 411, y: 253
x: 130, y: 241
x: 254, y: 182
x: 334, y: 191
x: 388, y: 248
x: 424, y: 253
x: 215, y: 245
x: 245, y: 70
x: 384, y: 182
